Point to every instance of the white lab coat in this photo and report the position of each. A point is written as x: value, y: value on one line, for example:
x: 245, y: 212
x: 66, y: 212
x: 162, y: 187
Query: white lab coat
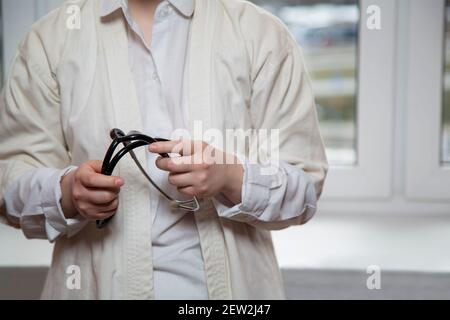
x: 69, y: 87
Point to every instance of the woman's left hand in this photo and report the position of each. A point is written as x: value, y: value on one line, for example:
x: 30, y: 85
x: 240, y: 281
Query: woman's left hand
x: 201, y: 170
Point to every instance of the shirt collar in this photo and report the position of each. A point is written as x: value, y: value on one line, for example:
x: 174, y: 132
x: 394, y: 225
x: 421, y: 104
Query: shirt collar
x: 186, y: 7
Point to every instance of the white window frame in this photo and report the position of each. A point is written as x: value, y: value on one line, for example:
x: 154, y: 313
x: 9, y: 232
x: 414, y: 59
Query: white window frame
x: 425, y: 175
x: 371, y: 177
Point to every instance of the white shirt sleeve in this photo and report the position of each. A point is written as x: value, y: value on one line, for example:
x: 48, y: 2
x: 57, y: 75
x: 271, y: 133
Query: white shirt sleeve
x: 273, y: 201
x: 33, y: 201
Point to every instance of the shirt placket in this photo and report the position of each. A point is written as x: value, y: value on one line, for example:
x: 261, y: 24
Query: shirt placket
x: 158, y: 123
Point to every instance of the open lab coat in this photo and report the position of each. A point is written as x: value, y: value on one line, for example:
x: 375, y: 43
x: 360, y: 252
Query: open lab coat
x: 68, y: 87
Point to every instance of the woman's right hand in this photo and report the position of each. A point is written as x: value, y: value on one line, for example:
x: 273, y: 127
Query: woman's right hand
x: 87, y: 192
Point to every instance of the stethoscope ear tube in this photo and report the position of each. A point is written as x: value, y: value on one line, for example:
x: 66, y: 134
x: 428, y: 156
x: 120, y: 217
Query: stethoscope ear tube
x: 109, y: 166
x: 130, y: 142
x: 106, y: 169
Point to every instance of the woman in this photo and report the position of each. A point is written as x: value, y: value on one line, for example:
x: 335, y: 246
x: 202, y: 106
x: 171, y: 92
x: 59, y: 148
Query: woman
x: 158, y: 67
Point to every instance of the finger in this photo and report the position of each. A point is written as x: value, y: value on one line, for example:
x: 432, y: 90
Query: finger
x: 184, y: 147
x: 174, y: 165
x: 182, y: 180
x: 167, y: 147
x: 101, y: 197
x: 111, y: 206
x: 188, y: 191
x: 95, y: 165
x: 99, y: 212
x: 96, y: 180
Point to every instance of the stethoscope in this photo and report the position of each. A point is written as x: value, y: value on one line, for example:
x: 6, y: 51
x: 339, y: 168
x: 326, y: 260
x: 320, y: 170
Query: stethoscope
x: 130, y: 142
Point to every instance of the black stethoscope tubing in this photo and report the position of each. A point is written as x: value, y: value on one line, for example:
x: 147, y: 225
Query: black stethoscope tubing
x: 130, y: 142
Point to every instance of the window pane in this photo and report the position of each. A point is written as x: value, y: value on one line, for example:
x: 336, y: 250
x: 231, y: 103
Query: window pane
x: 327, y: 31
x: 1, y: 47
x: 446, y: 104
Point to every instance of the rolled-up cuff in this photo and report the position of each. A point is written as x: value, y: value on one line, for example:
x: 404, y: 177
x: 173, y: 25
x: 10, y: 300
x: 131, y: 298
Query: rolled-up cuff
x: 56, y: 224
x: 255, y: 195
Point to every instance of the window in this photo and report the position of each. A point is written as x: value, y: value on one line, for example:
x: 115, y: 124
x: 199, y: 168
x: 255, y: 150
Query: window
x: 328, y: 34
x: 445, y: 154
x: 1, y: 47
x: 428, y: 102
x: 354, y: 95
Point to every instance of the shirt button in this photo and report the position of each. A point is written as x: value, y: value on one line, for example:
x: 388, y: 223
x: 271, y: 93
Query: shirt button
x: 165, y: 12
x: 155, y: 76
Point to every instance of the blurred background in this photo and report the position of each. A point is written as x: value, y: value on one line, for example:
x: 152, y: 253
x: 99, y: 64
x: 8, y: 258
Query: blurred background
x: 328, y: 34
x: 383, y: 98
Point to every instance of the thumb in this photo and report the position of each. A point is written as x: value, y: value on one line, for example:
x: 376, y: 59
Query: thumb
x: 96, y: 165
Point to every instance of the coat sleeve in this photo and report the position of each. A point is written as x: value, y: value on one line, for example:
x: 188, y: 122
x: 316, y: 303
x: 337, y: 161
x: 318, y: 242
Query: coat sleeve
x: 31, y: 135
x: 282, y: 100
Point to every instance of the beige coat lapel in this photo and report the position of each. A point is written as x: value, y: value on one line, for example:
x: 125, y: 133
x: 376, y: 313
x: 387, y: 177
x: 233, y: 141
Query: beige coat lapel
x: 134, y: 212
x: 199, y: 64
x: 200, y: 99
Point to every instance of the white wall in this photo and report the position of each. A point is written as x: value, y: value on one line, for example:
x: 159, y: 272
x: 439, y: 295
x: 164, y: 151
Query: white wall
x: 407, y: 243
x: 16, y: 250
x: 18, y: 15
x: 392, y: 242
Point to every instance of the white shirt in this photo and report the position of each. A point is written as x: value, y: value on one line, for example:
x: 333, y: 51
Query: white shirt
x: 158, y: 75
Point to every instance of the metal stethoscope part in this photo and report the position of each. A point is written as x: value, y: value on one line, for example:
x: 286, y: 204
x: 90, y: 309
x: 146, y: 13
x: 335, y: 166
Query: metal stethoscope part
x: 130, y: 142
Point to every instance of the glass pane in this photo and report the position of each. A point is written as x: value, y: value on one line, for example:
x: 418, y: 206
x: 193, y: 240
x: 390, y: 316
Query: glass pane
x: 1, y: 47
x: 327, y: 31
x: 446, y: 105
